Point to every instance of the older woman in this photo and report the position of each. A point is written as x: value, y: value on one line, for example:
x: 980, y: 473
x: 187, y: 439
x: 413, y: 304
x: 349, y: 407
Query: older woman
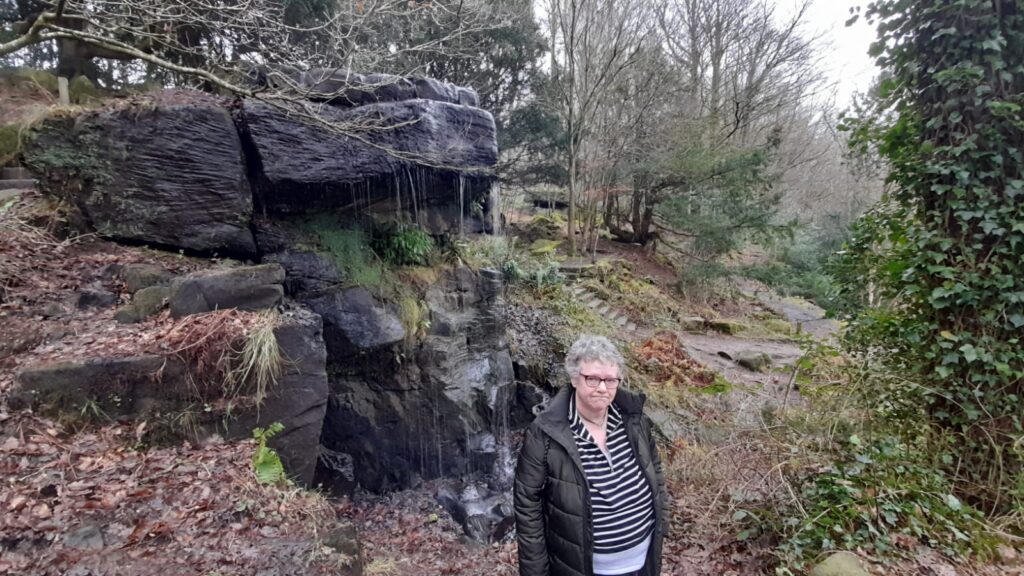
x: 589, y: 493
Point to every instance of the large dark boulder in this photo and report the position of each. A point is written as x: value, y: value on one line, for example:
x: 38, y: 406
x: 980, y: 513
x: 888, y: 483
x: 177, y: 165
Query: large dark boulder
x: 298, y: 399
x: 164, y: 169
x: 406, y: 156
x: 355, y: 323
x: 244, y: 287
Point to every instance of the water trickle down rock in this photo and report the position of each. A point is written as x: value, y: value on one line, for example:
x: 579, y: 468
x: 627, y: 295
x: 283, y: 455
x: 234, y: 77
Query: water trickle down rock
x: 412, y: 159
x: 410, y: 415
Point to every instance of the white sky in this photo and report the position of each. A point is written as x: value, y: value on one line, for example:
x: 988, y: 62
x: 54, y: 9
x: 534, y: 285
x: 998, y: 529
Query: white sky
x: 845, y: 61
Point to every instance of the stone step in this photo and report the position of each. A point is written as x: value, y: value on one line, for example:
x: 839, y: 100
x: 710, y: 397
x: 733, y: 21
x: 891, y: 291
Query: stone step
x: 15, y: 173
x: 21, y: 184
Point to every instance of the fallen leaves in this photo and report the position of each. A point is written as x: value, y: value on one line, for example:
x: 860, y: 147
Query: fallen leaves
x: 171, y: 508
x: 664, y: 358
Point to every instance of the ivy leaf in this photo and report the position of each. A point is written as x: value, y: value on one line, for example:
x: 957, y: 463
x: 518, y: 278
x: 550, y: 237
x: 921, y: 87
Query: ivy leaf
x: 970, y: 354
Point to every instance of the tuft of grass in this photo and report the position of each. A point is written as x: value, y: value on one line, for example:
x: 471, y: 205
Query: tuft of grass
x: 259, y: 362
x: 415, y: 318
x: 381, y: 567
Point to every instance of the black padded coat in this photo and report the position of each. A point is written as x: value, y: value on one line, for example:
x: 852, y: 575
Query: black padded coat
x: 552, y: 502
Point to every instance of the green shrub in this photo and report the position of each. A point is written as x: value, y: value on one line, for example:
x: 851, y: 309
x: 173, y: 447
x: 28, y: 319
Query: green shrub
x: 401, y: 244
x: 878, y: 496
x: 544, y: 247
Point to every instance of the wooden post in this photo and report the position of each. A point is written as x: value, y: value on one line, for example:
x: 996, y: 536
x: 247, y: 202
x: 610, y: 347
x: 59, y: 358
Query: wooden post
x: 62, y: 89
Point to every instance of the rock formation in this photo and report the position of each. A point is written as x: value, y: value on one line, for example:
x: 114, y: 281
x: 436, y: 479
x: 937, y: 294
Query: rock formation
x: 361, y: 402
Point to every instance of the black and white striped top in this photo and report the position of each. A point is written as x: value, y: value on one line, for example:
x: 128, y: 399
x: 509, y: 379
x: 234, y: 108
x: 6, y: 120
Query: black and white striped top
x: 620, y: 497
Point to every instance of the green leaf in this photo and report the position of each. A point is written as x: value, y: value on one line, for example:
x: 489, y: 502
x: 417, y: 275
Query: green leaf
x: 953, y: 502
x: 970, y: 354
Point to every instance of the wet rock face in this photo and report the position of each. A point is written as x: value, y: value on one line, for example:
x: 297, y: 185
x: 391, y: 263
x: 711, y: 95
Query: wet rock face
x: 411, y: 156
x: 439, y: 410
x: 165, y: 169
x: 182, y: 169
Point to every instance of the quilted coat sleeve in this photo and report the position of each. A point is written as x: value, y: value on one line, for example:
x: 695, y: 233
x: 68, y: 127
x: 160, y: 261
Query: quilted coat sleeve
x: 663, y: 500
x: 531, y: 472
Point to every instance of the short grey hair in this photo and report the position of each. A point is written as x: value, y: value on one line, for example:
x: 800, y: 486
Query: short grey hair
x: 590, y: 348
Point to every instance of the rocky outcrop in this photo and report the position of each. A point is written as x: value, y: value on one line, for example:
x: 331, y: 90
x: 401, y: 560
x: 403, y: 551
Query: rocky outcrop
x: 244, y: 287
x: 406, y: 156
x: 157, y: 389
x: 439, y: 410
x: 298, y: 399
x: 163, y: 169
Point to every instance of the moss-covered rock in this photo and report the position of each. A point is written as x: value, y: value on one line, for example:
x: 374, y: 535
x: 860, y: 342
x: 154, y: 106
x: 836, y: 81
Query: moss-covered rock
x: 10, y: 143
x: 730, y: 327
x: 41, y: 78
x: 81, y: 90
x: 841, y: 564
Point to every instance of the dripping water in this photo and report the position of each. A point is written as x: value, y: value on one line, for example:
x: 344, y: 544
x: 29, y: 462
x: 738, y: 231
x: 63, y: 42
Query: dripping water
x: 462, y: 206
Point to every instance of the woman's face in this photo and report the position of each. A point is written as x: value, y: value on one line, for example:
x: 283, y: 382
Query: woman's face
x: 595, y: 400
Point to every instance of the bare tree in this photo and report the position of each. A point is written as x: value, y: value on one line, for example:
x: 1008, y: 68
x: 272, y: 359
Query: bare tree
x: 247, y: 48
x: 594, y: 42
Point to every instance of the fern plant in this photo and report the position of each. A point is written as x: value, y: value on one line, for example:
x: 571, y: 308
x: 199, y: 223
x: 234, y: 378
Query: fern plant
x: 265, y: 462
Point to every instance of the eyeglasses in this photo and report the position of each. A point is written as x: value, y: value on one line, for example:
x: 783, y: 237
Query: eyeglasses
x: 595, y: 381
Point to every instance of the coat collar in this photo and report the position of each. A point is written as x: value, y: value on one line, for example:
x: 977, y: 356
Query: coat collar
x: 555, y: 417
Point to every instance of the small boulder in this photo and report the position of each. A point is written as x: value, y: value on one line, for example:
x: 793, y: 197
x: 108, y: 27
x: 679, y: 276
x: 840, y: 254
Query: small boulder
x: 692, y: 324
x: 52, y: 310
x: 841, y: 564
x: 725, y: 326
x: 95, y: 299
x: 245, y: 288
x: 139, y: 276
x: 147, y: 301
x: 150, y: 300
x: 88, y: 537
x: 754, y: 361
